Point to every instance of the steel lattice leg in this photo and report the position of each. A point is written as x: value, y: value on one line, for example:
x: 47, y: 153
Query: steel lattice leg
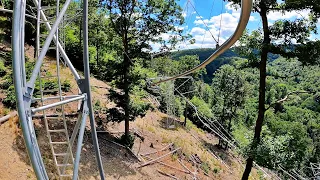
x: 25, y: 91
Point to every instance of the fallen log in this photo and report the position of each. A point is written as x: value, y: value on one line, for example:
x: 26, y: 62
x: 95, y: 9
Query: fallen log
x: 192, y: 173
x: 162, y: 163
x: 184, y: 166
x: 7, y: 117
x: 169, y: 175
x: 156, y: 159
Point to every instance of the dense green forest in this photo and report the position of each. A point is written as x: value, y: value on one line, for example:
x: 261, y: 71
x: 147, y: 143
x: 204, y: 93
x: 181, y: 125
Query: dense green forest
x: 211, y: 68
x: 262, y: 84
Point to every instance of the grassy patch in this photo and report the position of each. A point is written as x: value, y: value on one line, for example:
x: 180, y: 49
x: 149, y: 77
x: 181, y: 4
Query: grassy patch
x: 151, y: 129
x: 216, y: 170
x: 205, y: 167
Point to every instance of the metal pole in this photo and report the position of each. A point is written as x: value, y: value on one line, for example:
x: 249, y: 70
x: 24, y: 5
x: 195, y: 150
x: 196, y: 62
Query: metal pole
x: 63, y: 53
x: 23, y: 72
x: 80, y: 140
x: 57, y: 103
x: 46, y: 45
x: 87, y: 88
x: 31, y: 146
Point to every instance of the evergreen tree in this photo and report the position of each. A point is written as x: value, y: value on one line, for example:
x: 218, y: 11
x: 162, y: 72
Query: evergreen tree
x: 138, y: 23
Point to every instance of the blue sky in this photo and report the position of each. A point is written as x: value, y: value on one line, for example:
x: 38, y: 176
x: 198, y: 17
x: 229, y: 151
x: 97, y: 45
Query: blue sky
x: 210, y: 12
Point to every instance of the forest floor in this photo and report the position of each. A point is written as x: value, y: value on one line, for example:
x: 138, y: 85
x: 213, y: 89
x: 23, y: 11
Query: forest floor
x: 198, y: 156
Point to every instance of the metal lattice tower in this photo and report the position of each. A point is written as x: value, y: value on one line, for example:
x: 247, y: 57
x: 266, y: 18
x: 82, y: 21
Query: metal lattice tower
x: 170, y: 102
x: 50, y: 103
x: 315, y: 170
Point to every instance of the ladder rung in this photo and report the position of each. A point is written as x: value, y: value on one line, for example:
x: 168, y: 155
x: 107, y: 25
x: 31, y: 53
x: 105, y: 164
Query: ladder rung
x: 47, y: 77
x: 54, y: 118
x: 48, y: 7
x: 50, y: 48
x: 61, y: 165
x: 66, y: 175
x: 60, y: 154
x: 57, y: 130
x: 47, y: 21
x: 59, y: 142
x: 43, y: 35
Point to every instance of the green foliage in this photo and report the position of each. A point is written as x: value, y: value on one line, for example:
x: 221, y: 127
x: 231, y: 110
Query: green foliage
x: 229, y: 89
x: 205, y: 167
x: 7, y: 81
x: 2, y: 69
x: 216, y: 170
x: 97, y: 105
x: 10, y: 99
x: 134, y: 27
x: 203, y: 54
x: 50, y: 85
x: 66, y: 86
x: 126, y: 141
x: 203, y: 109
x: 289, y: 134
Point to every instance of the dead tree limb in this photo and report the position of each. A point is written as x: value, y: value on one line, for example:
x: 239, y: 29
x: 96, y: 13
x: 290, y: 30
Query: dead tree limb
x: 7, y: 117
x: 162, y: 163
x: 166, y: 174
x: 156, y: 159
x: 280, y: 101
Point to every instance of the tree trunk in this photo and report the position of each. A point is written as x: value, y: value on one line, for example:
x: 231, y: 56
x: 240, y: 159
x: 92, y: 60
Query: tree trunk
x: 262, y: 92
x: 97, y: 57
x: 126, y: 64
x: 185, y: 115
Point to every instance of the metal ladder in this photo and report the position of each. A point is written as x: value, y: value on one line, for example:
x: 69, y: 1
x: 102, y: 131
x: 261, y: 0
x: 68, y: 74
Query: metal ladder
x: 56, y: 127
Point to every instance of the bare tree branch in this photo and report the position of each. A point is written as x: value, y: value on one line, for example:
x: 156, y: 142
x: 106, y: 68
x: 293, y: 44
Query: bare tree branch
x: 280, y: 101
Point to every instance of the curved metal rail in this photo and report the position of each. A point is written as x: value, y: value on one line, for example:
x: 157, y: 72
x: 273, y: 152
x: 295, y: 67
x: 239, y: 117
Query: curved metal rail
x: 246, y: 7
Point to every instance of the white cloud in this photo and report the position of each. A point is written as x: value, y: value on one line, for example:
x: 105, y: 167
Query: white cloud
x: 184, y: 14
x: 276, y: 15
x: 229, y: 21
x: 197, y: 30
x: 204, y: 38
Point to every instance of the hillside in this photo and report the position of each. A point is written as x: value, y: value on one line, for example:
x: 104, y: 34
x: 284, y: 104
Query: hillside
x: 203, y: 54
x: 198, y: 157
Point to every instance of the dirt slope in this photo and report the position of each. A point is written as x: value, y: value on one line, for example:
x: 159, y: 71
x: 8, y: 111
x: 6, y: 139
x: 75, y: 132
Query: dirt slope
x: 13, y: 164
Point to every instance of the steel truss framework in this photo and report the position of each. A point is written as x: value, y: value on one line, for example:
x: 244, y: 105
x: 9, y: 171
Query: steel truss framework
x: 315, y: 170
x: 67, y: 162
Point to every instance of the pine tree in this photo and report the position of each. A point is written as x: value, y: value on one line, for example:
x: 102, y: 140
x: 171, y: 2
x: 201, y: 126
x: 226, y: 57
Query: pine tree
x: 137, y: 23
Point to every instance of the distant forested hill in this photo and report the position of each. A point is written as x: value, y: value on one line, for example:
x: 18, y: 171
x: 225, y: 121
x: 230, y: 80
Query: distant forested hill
x: 204, y: 53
